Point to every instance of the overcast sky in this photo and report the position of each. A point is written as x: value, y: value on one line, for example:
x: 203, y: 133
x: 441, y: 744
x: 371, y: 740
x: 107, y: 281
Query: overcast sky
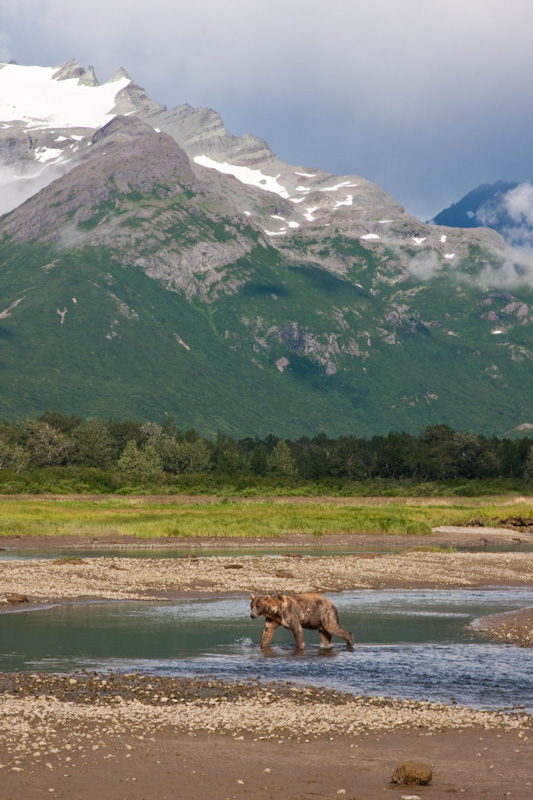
x: 428, y: 98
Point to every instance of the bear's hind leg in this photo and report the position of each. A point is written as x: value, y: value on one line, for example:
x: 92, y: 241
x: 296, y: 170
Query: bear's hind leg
x: 341, y: 633
x: 325, y: 637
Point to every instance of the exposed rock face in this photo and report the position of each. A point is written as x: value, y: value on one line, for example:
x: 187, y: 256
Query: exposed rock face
x: 40, y: 150
x: 412, y: 773
x: 134, y: 100
x: 69, y: 70
x: 197, y: 268
x: 201, y: 130
x: 124, y: 156
x: 292, y: 207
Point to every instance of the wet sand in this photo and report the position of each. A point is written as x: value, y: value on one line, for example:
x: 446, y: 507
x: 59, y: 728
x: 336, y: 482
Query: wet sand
x: 477, y: 765
x: 442, y: 536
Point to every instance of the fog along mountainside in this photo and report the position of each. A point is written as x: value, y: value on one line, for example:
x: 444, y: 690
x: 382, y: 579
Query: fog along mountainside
x: 152, y: 265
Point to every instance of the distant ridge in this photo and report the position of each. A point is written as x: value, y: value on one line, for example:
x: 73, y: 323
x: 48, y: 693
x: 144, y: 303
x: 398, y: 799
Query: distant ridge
x: 463, y: 214
x: 503, y: 206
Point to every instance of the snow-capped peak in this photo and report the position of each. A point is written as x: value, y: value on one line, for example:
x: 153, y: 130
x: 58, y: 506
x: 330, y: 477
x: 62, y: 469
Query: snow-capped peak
x: 40, y: 97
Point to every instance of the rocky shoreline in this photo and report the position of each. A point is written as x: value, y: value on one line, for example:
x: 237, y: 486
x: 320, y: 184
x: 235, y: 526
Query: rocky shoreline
x: 109, y: 734
x: 143, y: 704
x: 511, y: 627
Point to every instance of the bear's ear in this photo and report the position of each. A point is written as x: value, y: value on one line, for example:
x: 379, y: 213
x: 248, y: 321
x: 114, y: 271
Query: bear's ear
x: 273, y: 603
x: 252, y: 596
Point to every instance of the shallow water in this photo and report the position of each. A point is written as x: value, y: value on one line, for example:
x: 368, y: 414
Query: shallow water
x: 265, y: 550
x: 410, y: 644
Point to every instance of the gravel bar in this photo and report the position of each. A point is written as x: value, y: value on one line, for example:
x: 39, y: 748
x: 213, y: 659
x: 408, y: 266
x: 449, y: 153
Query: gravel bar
x: 46, y: 580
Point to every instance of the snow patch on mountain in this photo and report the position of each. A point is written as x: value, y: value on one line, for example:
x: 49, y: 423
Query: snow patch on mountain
x: 44, y: 154
x: 255, y: 177
x: 252, y: 177
x: 347, y: 202
x: 337, y: 186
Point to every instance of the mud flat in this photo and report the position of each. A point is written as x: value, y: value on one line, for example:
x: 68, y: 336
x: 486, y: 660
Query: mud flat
x: 443, y: 536
x: 93, y: 735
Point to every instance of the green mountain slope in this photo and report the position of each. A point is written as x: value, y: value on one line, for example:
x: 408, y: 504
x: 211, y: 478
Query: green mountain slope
x: 133, y: 286
x: 123, y: 345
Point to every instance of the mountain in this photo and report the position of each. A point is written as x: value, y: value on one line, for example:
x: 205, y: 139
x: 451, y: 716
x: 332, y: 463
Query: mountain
x: 153, y: 264
x: 505, y: 207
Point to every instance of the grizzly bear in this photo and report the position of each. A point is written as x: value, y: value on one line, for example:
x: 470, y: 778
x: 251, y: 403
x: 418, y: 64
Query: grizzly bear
x: 297, y: 611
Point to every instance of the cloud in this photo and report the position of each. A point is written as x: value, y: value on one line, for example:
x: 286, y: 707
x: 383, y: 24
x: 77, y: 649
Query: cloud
x: 518, y: 203
x: 71, y: 237
x: 425, y: 266
x: 16, y: 188
x: 515, y: 271
x: 507, y: 269
x: 512, y: 215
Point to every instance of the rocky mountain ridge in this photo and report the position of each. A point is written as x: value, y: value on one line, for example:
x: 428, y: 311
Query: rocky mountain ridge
x: 199, y: 276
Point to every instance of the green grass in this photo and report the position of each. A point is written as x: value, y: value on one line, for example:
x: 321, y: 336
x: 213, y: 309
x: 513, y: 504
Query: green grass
x: 230, y: 518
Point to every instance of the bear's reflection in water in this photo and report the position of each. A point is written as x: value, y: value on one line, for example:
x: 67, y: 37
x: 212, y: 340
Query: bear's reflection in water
x: 284, y: 651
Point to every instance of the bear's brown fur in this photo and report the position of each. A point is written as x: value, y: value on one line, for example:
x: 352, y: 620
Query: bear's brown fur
x: 297, y: 611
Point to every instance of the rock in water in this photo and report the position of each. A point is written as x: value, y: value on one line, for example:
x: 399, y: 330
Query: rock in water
x: 16, y: 598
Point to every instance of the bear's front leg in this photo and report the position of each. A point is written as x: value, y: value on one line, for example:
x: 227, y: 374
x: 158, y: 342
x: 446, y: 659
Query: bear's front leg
x: 268, y: 632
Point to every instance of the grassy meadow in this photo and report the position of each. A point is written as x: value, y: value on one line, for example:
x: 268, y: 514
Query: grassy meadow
x: 178, y: 518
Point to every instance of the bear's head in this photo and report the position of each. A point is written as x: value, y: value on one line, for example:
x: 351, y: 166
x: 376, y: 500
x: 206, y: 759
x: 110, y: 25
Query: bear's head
x: 264, y: 605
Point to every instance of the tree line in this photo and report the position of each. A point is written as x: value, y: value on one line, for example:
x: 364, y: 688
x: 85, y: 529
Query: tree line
x: 133, y: 453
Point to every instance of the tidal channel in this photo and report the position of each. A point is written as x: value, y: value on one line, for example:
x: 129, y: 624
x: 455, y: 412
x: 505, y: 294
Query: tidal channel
x: 410, y: 644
